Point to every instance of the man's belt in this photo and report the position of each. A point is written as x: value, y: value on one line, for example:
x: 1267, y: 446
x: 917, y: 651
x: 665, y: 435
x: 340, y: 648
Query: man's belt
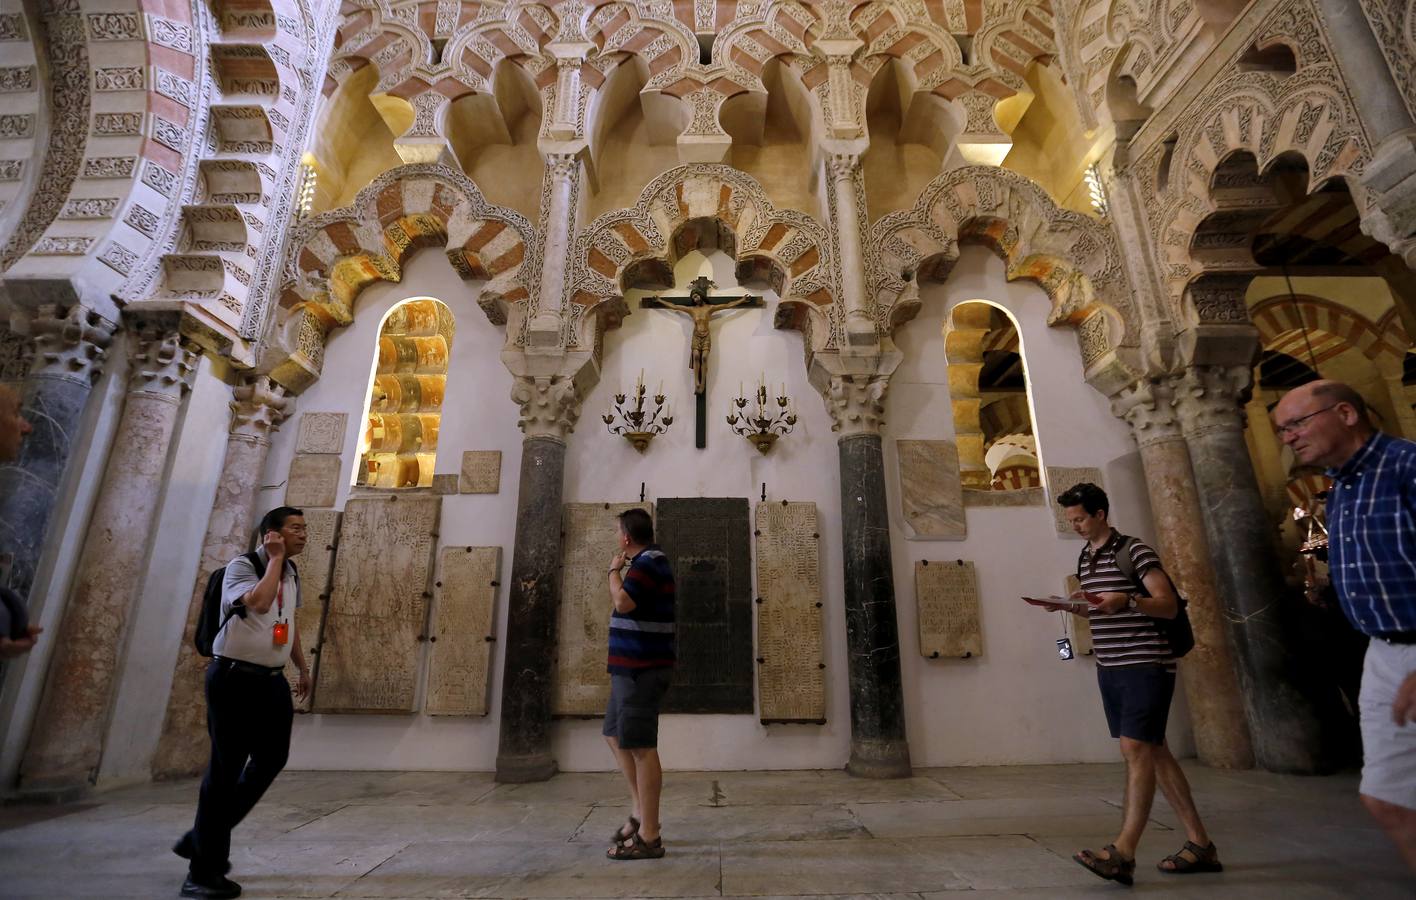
x: 249, y: 668
x: 1397, y: 637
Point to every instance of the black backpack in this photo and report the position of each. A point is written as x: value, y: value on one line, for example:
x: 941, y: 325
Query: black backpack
x: 210, y: 622
x: 1177, y: 631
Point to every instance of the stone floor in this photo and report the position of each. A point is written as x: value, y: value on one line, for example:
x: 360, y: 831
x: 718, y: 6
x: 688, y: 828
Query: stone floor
x: 1003, y: 832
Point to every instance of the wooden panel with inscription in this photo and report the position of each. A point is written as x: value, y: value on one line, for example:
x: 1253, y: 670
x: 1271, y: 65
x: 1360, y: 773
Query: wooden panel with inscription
x: 931, y: 493
x: 460, y: 651
x: 947, y: 595
x: 591, y: 538
x: 1078, y: 627
x: 1060, y: 480
x: 791, y: 684
x: 378, y: 605
x: 315, y: 563
x: 707, y: 540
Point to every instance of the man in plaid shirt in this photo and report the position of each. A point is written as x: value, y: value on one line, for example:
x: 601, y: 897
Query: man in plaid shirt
x: 1371, y: 520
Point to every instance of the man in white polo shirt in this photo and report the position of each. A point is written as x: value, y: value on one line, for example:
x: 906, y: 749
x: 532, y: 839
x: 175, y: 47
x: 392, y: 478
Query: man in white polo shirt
x: 249, y: 710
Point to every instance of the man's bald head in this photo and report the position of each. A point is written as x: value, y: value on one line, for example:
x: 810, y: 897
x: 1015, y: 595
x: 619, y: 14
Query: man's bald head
x: 1324, y: 422
x: 13, y: 426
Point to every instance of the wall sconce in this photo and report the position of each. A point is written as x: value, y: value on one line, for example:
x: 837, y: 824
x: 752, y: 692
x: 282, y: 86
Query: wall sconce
x: 763, y: 427
x: 636, y: 424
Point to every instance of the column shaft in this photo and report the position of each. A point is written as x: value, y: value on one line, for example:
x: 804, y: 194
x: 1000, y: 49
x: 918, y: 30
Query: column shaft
x: 67, y: 740
x: 524, y: 750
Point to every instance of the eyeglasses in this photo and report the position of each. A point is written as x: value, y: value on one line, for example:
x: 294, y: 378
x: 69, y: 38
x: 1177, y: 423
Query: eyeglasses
x: 1298, y: 424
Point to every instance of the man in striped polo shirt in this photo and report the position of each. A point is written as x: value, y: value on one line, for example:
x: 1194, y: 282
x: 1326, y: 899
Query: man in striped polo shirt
x: 1371, y: 521
x: 1136, y: 674
x: 641, y: 666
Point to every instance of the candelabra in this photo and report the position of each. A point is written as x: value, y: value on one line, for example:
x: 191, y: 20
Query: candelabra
x: 637, y: 424
x: 763, y: 427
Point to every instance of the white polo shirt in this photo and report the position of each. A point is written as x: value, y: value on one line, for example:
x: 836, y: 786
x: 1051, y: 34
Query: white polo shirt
x: 250, y: 638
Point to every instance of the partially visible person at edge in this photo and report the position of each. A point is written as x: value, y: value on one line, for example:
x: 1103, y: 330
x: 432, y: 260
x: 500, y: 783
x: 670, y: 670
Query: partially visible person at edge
x: 641, y: 667
x: 17, y: 636
x: 1135, y: 671
x: 1371, y: 522
x: 249, y: 708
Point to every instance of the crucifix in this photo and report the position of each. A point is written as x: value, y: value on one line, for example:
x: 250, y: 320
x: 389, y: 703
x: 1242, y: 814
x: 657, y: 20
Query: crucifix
x: 699, y: 307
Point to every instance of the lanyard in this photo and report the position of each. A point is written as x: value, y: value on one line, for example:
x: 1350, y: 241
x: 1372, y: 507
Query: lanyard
x: 280, y: 594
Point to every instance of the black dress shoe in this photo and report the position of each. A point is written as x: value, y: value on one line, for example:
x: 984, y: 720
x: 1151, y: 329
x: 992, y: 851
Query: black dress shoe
x: 186, y: 848
x: 214, y: 889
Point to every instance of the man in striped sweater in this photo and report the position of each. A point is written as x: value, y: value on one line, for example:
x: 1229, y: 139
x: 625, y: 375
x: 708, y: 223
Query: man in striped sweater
x: 1136, y: 673
x: 641, y: 666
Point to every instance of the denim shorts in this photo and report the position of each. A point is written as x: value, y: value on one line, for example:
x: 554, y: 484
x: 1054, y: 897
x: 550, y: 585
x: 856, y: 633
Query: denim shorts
x: 1136, y: 700
x: 633, y: 714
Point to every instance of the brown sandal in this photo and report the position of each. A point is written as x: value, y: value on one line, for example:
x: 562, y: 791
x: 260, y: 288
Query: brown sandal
x: 1206, y: 860
x: 1112, y: 867
x: 621, y: 835
x: 637, y: 848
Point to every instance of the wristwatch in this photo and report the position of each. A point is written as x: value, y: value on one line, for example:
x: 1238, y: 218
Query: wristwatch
x: 1131, y: 602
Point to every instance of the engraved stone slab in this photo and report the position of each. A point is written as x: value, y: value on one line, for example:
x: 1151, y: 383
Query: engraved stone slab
x: 445, y: 484
x: 1078, y: 627
x: 322, y: 432
x: 459, y: 659
x: 1060, y: 480
x: 316, y: 562
x: 931, y: 494
x: 313, y: 480
x: 947, y: 595
x: 481, y: 472
x: 1032, y: 496
x: 791, y: 682
x: 591, y: 535
x: 708, y: 544
x: 378, y: 605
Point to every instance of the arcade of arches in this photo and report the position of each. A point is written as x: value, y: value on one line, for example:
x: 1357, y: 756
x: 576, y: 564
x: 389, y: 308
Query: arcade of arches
x: 999, y: 247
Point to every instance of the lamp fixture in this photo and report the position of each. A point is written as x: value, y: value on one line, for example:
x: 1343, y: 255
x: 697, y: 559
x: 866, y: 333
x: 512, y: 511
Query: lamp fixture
x: 636, y: 424
x: 763, y: 427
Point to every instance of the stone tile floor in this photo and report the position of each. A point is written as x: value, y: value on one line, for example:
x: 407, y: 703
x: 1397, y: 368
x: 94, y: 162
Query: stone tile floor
x: 1001, y: 832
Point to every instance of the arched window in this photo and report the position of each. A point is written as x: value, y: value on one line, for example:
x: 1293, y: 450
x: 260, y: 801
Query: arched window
x: 400, y: 441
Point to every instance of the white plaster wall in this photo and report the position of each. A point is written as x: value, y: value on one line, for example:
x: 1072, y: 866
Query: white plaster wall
x: 159, y: 615
x: 477, y: 415
x: 1017, y: 702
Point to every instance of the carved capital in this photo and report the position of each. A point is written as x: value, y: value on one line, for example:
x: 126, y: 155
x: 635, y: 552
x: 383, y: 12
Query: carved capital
x: 258, y: 406
x: 1211, y: 398
x: 842, y: 166
x: 562, y: 166
x: 1149, y: 408
x: 857, y: 403
x: 163, y: 361
x: 550, y: 405
x: 69, y: 342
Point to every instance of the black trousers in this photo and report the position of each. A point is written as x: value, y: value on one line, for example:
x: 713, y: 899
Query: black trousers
x: 249, y: 715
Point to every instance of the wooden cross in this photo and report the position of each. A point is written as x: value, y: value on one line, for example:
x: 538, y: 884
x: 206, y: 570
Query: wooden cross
x: 699, y: 307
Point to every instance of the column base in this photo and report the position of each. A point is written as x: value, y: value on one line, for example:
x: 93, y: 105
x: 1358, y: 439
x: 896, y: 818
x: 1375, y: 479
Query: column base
x: 879, y: 759
x: 525, y: 769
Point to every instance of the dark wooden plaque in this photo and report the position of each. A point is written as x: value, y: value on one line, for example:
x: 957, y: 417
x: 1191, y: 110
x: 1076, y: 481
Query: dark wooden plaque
x: 708, y: 544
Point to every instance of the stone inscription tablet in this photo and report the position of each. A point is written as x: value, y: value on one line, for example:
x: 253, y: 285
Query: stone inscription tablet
x: 459, y: 654
x: 1060, y: 480
x: 314, y: 480
x: 378, y: 605
x: 321, y: 536
x: 591, y: 535
x: 1078, y: 627
x: 947, y: 594
x: 481, y: 472
x: 931, y: 494
x: 791, y: 684
x: 322, y: 432
x: 707, y: 540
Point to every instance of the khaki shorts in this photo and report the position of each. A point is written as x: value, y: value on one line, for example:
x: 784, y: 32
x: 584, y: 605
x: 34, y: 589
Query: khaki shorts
x: 1388, y: 751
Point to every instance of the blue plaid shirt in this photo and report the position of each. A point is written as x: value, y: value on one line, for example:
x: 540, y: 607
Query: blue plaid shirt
x: 1371, y: 520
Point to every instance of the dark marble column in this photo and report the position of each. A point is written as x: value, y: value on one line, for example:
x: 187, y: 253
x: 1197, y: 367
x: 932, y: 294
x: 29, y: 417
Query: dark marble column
x: 879, y: 748
x: 69, y: 347
x: 1283, y: 722
x: 549, y: 409
x: 67, y: 740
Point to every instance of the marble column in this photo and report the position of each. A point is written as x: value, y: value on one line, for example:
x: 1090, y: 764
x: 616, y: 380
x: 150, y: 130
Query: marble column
x: 69, y: 348
x: 879, y: 748
x: 847, y: 192
x: 1391, y: 374
x: 1207, y: 671
x: 1283, y: 723
x: 67, y: 740
x: 561, y: 189
x: 550, y: 407
x: 258, y: 407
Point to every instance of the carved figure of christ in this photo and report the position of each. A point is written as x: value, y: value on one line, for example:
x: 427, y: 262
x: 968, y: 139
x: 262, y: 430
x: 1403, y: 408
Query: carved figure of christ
x: 699, y: 307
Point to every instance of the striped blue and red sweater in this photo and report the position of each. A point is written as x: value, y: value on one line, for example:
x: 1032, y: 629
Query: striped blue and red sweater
x: 643, y: 638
